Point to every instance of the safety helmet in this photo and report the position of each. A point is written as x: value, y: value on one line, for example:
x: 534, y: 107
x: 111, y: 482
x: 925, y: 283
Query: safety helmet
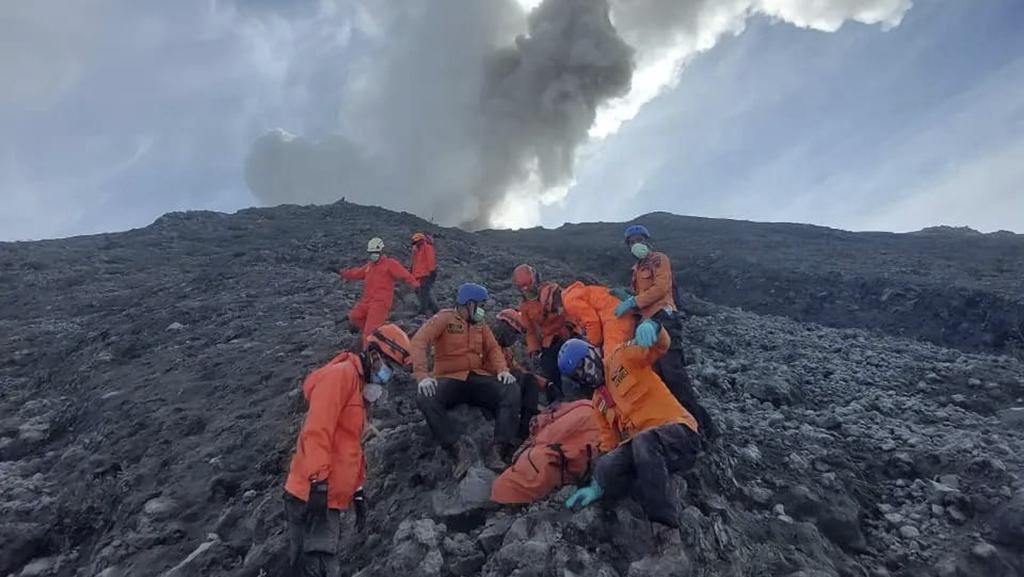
x: 392, y: 341
x: 524, y: 277
x: 514, y: 319
x: 550, y: 295
x: 571, y: 354
x: 375, y: 245
x: 418, y: 237
x: 637, y: 230
x: 471, y: 293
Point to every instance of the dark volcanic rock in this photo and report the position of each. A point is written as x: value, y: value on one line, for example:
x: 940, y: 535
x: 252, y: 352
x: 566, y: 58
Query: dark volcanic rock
x: 149, y: 403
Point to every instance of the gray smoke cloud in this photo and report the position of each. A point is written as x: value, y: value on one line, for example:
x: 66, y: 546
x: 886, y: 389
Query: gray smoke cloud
x: 459, y: 105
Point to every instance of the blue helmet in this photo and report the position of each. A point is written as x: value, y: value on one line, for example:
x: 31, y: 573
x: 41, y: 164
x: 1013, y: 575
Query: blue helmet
x: 471, y: 293
x: 571, y: 354
x: 637, y: 230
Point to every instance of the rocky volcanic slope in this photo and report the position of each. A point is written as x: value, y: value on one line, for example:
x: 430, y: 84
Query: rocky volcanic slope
x: 953, y: 287
x: 149, y: 401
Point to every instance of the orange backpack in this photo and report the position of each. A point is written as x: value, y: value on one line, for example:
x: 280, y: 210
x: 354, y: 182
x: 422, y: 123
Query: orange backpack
x: 560, y: 451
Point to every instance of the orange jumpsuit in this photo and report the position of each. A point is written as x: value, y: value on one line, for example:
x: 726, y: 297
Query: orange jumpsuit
x: 652, y: 284
x: 329, y: 445
x: 379, y: 278
x: 592, y: 310
x: 634, y: 398
x: 424, y: 260
x: 561, y: 448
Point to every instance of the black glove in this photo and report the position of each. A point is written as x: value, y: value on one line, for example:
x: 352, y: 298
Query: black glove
x: 316, y: 506
x: 359, y: 503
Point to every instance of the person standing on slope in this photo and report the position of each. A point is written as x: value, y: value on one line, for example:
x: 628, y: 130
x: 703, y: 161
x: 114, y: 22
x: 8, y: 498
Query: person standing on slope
x: 469, y: 368
x: 545, y: 330
x: 424, y: 269
x: 654, y: 298
x: 328, y: 469
x: 378, y: 276
x: 645, y: 434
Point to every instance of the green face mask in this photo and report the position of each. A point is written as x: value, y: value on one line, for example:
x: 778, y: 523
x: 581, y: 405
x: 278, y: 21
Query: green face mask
x: 640, y: 250
x: 479, y: 314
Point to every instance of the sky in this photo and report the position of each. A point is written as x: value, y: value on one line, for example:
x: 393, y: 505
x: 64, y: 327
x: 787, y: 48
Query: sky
x: 857, y: 114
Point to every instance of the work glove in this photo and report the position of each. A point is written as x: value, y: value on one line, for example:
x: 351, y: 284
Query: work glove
x: 619, y: 293
x: 646, y: 334
x: 316, y: 505
x: 584, y: 496
x: 535, y: 356
x: 506, y: 378
x: 359, y: 504
x: 625, y: 306
x: 428, y: 387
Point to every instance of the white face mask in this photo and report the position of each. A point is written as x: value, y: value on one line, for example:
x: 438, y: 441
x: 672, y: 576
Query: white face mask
x: 374, y: 256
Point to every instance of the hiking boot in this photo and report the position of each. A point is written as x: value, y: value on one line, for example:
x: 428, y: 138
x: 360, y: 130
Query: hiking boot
x: 497, y: 459
x: 464, y: 454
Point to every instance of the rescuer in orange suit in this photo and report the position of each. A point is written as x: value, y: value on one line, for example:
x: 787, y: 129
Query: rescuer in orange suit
x: 424, y: 270
x: 545, y: 330
x: 645, y: 433
x: 591, y: 310
x: 378, y: 276
x: 654, y: 297
x: 328, y: 470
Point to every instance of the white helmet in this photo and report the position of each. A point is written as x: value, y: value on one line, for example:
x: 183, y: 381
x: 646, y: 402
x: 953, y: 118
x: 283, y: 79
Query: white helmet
x: 375, y: 245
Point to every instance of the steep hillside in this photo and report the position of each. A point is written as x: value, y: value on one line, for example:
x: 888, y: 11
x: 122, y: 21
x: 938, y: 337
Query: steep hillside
x: 149, y: 401
x: 953, y: 287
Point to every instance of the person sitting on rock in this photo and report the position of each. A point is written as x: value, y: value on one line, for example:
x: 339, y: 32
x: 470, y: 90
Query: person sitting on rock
x: 508, y: 331
x: 424, y: 269
x: 655, y: 296
x: 378, y: 276
x: 646, y: 435
x: 469, y: 368
x: 328, y: 470
x: 545, y: 331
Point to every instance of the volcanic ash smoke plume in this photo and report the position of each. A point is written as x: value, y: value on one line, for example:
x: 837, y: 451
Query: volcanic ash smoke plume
x: 446, y: 118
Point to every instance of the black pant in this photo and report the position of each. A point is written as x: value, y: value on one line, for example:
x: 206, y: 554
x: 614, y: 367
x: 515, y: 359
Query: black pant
x: 312, y: 545
x: 549, y: 368
x: 528, y: 399
x: 427, y: 303
x: 671, y: 367
x: 478, y: 391
x: 645, y: 464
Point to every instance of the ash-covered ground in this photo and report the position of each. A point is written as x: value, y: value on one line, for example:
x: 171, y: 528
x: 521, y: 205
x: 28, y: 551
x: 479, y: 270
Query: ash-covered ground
x: 149, y: 401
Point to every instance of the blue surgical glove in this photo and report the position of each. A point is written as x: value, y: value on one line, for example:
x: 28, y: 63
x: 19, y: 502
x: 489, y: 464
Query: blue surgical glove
x: 646, y: 334
x: 585, y: 496
x: 625, y: 306
x: 619, y: 293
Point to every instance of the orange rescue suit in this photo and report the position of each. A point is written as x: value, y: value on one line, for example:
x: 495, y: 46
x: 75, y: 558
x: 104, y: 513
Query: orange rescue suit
x: 563, y: 443
x: 424, y: 259
x: 592, y: 310
x: 541, y: 328
x: 460, y: 347
x: 329, y: 445
x: 379, y: 279
x: 652, y: 284
x: 634, y: 398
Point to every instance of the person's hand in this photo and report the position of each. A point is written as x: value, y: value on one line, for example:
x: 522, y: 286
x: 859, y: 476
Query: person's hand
x: 506, y: 378
x: 625, y: 306
x: 359, y: 504
x: 584, y: 496
x: 535, y: 356
x: 646, y: 334
x: 428, y: 387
